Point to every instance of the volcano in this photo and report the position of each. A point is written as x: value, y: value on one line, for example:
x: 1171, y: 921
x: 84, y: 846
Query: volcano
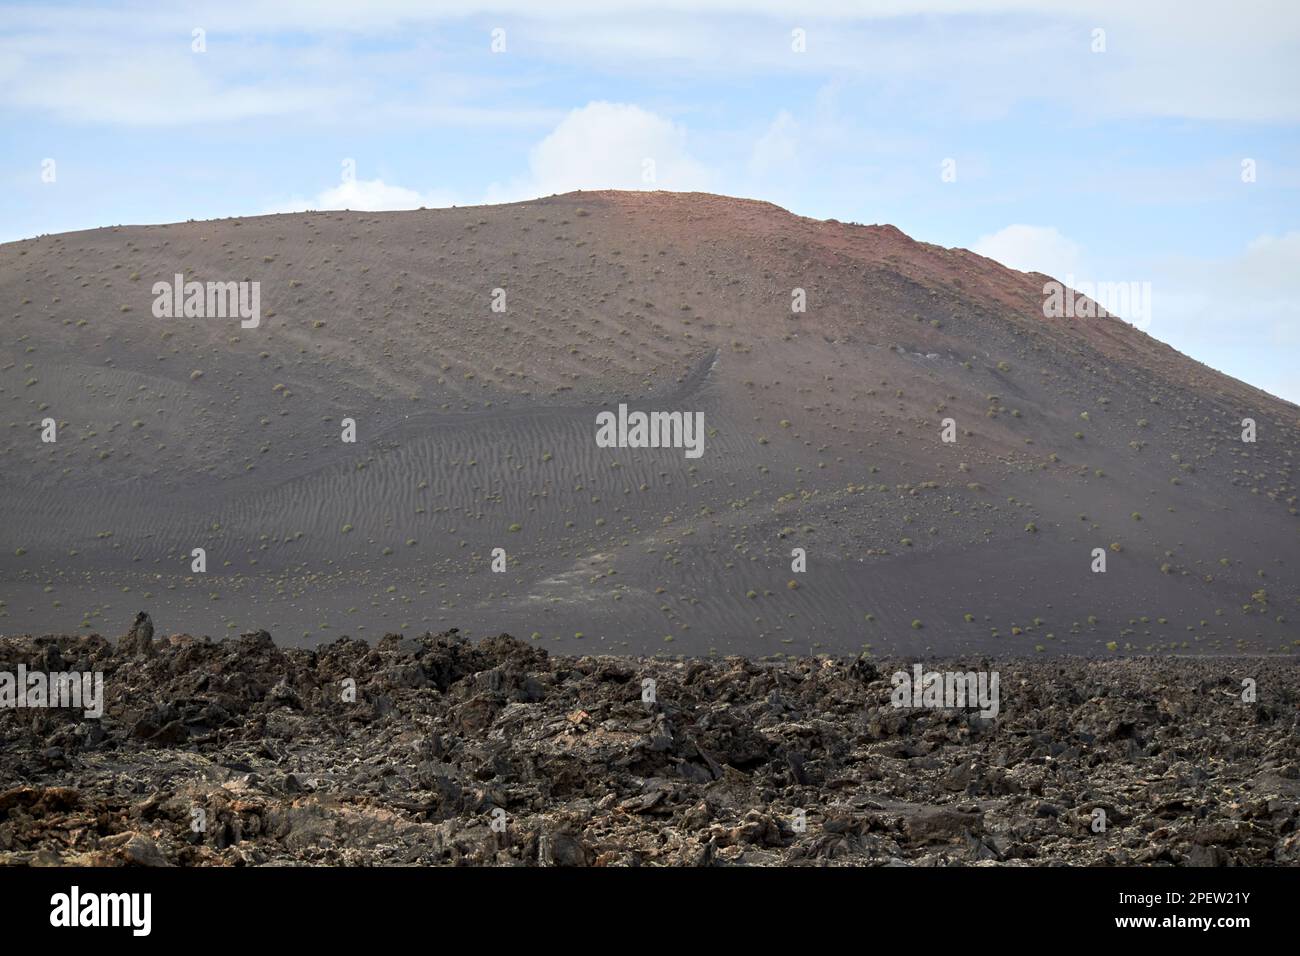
x: 901, y: 452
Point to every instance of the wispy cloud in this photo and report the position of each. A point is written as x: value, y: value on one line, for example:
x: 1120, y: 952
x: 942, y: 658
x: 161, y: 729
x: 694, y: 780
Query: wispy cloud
x: 1161, y: 59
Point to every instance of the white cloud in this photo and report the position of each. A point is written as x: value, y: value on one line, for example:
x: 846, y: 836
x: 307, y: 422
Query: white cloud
x: 370, y: 195
x: 1032, y: 249
x: 608, y: 146
x: 599, y: 146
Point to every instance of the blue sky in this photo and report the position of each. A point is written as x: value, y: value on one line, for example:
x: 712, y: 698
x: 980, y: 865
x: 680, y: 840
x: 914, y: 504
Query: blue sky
x: 1109, y: 157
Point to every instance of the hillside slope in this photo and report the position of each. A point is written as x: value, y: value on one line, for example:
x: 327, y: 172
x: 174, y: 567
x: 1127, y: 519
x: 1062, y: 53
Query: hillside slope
x: 476, y: 430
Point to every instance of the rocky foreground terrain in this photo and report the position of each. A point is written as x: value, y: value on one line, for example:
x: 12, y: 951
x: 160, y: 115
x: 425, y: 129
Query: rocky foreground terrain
x: 452, y: 753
